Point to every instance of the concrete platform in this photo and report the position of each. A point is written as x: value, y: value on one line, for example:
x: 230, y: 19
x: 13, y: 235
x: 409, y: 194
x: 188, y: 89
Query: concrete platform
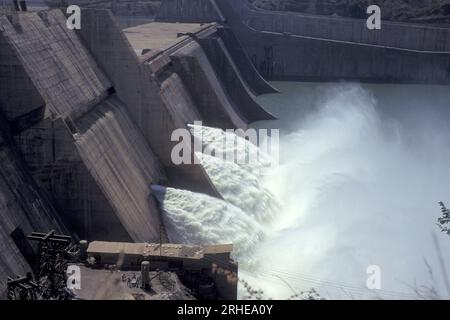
x: 101, y: 284
x: 158, y: 36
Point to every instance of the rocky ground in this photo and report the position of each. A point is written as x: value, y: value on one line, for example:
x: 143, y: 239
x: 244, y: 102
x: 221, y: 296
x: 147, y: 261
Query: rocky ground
x: 423, y: 11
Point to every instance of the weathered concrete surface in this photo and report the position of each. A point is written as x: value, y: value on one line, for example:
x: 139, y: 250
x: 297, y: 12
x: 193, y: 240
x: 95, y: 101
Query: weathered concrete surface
x: 394, y: 34
x: 119, y: 7
x: 50, y: 152
x: 149, y: 104
x: 185, y: 68
x: 289, y: 46
x: 324, y: 61
x: 405, y: 35
x: 174, y: 42
x: 94, y: 200
x: 233, y: 81
x: 23, y: 208
x: 18, y: 96
x: 331, y: 55
x: 189, y: 11
x: 252, y: 77
x: 123, y: 166
x: 157, y: 37
x: 57, y: 63
x: 137, y: 86
x: 178, y: 101
x: 209, y: 11
x: 213, y: 102
x: 229, y: 102
x: 45, y: 143
x: 94, y: 148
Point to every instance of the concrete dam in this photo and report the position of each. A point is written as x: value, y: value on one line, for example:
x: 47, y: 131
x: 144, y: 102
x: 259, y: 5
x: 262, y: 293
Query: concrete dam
x: 87, y: 119
x: 87, y: 115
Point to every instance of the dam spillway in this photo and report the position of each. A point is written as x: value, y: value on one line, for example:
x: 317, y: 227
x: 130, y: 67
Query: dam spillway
x: 88, y: 116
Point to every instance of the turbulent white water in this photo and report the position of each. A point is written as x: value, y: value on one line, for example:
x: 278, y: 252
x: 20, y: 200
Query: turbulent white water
x: 234, y: 148
x: 194, y: 218
x: 245, y: 215
x: 241, y: 188
x: 359, y: 182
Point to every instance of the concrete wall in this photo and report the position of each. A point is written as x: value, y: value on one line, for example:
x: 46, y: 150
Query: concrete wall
x: 138, y: 85
x: 119, y: 7
x: 34, y: 202
x: 213, y: 102
x: 61, y: 69
x: 51, y: 154
x: 189, y: 11
x: 318, y: 60
x: 291, y: 46
x: 286, y: 46
x: 255, y: 82
x: 49, y: 65
x: 120, y: 161
x: 23, y: 208
x: 232, y: 79
x: 404, y: 35
x: 392, y: 34
x: 178, y: 100
x: 86, y: 146
x: 103, y: 197
x: 18, y: 96
x: 210, y: 11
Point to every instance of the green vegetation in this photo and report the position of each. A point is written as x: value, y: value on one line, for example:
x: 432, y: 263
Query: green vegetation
x: 444, y: 221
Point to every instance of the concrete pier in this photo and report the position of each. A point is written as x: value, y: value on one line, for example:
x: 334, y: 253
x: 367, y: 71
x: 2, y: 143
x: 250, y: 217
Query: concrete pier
x: 99, y: 195
x: 138, y: 86
x: 166, y: 97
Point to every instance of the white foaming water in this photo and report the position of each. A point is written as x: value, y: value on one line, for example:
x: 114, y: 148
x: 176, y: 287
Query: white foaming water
x: 241, y: 188
x: 226, y: 145
x: 194, y: 218
x: 359, y: 185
